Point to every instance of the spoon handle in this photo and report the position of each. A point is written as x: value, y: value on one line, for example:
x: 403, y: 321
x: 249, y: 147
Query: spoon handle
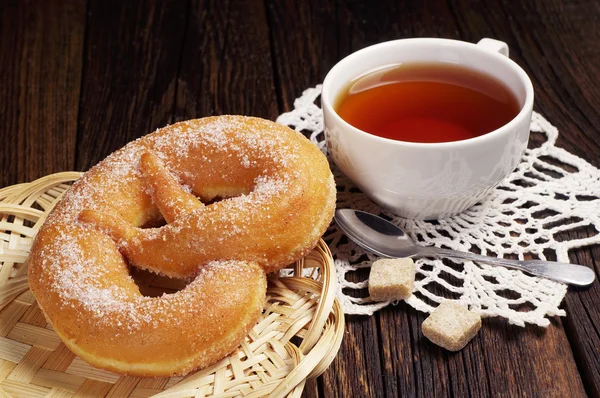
x: 562, y: 272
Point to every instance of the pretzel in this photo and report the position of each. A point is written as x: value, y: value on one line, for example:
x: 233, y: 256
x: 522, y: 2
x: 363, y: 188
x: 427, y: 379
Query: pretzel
x: 219, y: 201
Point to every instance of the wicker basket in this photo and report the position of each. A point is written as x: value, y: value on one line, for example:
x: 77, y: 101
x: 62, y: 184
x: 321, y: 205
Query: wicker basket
x: 297, y: 338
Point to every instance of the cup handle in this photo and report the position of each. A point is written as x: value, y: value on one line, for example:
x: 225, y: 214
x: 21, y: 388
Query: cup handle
x: 495, y: 46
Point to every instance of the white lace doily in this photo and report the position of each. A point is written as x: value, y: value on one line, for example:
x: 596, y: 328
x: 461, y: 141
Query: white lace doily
x: 551, y: 191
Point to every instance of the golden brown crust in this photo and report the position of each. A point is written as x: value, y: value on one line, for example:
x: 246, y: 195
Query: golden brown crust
x: 79, y: 261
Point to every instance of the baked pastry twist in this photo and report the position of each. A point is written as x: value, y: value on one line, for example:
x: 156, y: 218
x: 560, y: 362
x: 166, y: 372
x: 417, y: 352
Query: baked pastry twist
x: 277, y: 197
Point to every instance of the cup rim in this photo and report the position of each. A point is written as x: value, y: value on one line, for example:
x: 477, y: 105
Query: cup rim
x: 523, y: 112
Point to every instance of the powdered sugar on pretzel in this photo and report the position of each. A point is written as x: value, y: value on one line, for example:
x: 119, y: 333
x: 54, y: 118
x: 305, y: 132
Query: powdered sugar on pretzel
x: 277, y: 198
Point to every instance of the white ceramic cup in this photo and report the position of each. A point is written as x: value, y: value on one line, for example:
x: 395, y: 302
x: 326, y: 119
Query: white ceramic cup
x: 428, y: 180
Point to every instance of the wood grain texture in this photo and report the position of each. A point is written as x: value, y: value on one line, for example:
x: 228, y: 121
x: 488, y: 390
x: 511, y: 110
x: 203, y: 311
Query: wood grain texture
x: 583, y: 322
x: 40, y: 73
x: 80, y: 79
x: 226, y: 62
x: 131, y: 57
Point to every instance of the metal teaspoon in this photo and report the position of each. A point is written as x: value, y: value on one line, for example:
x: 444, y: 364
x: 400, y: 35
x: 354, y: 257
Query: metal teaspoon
x: 385, y: 239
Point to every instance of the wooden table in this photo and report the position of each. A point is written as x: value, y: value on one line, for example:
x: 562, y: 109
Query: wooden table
x: 80, y: 79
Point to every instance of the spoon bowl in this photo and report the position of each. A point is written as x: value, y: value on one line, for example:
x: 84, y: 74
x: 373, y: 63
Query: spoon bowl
x: 375, y: 234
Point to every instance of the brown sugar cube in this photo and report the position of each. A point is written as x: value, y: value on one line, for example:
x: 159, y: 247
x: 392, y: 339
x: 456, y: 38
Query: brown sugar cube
x: 392, y: 279
x: 451, y: 326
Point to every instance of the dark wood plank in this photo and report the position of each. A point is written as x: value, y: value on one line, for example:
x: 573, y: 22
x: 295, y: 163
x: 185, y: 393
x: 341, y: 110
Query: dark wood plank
x: 41, y: 47
x: 583, y: 321
x: 132, y: 54
x: 304, y: 44
x: 308, y: 39
x: 226, y: 62
x: 356, y: 370
x: 530, y: 361
x: 311, y: 388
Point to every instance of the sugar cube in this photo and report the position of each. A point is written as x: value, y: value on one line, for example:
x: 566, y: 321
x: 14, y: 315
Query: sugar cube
x: 451, y: 326
x: 391, y: 279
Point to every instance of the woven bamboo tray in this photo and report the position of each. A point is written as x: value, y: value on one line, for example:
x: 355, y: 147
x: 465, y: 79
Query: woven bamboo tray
x: 297, y: 338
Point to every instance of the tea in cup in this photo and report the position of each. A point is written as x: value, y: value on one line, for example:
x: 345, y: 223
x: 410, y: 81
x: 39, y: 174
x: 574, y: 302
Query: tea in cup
x: 427, y: 127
